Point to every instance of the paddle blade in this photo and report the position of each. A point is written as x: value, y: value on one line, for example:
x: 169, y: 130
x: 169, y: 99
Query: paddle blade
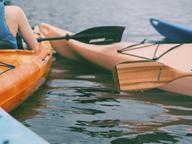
x: 142, y: 75
x: 100, y: 35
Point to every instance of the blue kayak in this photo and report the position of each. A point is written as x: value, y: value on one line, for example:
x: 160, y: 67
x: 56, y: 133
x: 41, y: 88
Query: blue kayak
x: 173, y: 32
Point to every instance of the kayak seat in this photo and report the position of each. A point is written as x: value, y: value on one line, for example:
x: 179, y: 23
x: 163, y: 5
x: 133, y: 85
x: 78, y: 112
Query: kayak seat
x: 6, y: 45
x: 19, y: 39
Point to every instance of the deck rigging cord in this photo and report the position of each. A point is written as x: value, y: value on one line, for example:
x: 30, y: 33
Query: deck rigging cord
x: 140, y: 45
x: 9, y: 66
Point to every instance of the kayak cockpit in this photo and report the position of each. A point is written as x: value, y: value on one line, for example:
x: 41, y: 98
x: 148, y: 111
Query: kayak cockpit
x: 6, y: 45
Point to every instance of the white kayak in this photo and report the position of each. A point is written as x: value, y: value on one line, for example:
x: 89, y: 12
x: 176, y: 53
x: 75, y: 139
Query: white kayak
x: 168, y: 68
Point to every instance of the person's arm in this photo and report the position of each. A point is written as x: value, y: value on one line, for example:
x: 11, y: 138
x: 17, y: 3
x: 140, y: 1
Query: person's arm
x: 26, y: 30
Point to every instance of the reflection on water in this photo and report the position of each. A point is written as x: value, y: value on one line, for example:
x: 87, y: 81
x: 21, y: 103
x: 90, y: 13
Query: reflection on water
x: 78, y: 103
x: 82, y: 107
x: 156, y: 137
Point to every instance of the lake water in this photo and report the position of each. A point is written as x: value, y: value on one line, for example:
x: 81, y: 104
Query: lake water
x: 78, y: 105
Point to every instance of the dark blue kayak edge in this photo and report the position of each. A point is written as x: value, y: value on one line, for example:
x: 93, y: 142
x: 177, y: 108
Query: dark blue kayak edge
x: 172, y: 31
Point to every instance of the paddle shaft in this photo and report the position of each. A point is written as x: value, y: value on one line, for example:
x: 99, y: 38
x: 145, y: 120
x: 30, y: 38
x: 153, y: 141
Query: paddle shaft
x: 67, y: 37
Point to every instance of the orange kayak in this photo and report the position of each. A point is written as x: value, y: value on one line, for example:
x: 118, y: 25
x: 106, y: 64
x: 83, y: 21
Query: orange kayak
x: 22, y: 72
x: 171, y: 56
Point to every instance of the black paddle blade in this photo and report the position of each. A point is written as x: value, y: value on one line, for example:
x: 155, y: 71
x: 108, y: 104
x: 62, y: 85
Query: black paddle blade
x: 100, y: 35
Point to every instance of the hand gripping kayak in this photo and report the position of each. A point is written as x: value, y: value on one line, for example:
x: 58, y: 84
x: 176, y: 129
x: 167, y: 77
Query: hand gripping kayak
x: 96, y: 35
x: 142, y: 75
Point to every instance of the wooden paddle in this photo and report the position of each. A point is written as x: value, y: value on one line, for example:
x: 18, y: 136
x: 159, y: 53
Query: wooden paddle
x: 141, y: 75
x: 96, y: 35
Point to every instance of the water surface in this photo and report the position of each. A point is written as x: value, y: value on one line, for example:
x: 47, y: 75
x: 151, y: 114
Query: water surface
x: 78, y: 104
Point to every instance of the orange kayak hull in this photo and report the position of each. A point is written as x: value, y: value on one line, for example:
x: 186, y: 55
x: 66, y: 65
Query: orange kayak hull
x: 21, y: 73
